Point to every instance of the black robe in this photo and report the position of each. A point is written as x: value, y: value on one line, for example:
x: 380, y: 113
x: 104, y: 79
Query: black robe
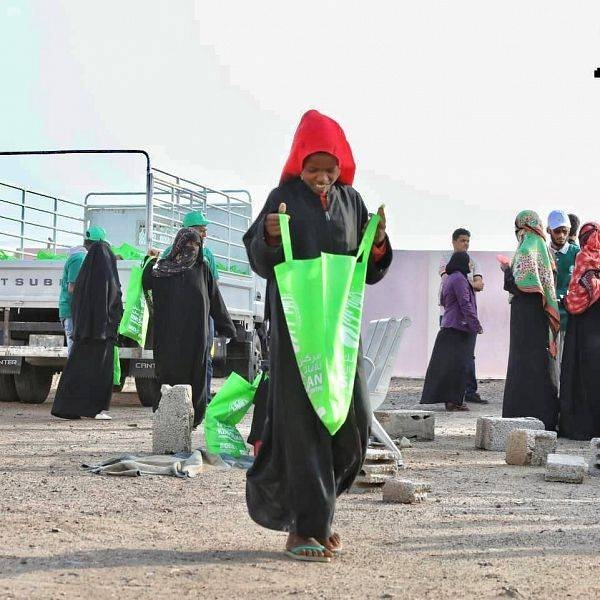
x: 445, y: 380
x: 86, y: 383
x: 181, y: 305
x: 529, y: 390
x: 579, y: 378
x: 301, y: 468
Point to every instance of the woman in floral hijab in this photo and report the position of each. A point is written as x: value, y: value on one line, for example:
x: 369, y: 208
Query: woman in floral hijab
x: 579, y: 382
x: 530, y: 389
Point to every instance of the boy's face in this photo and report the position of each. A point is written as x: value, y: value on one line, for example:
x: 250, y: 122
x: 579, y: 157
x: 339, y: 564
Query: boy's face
x: 461, y: 244
x: 320, y: 172
x: 559, y: 235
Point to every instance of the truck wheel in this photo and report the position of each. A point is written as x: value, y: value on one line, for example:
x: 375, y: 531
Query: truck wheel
x: 8, y: 393
x: 124, y: 371
x: 148, y: 391
x: 33, y: 383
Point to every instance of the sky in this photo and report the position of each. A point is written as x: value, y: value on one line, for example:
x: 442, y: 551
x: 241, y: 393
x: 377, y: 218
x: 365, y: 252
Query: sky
x: 459, y: 113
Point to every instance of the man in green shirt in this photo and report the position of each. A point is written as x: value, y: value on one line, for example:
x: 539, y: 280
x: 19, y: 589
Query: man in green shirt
x: 67, y: 283
x: 564, y: 254
x: 196, y: 220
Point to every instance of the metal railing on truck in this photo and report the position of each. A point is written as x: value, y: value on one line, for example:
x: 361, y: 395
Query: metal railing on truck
x: 61, y: 223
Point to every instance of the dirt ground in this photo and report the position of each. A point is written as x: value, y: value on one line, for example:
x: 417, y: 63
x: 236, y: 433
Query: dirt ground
x: 488, y: 530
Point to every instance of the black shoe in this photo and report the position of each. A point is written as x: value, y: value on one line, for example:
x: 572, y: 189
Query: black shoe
x: 475, y: 399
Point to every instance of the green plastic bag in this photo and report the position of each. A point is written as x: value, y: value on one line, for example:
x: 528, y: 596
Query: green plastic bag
x: 322, y: 300
x: 49, y: 255
x: 128, y: 252
x: 116, y: 367
x: 6, y: 255
x: 135, y: 316
x: 225, y: 411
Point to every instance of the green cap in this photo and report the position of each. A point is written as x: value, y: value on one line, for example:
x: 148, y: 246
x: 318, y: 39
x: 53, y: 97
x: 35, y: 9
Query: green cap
x: 96, y: 234
x: 195, y: 219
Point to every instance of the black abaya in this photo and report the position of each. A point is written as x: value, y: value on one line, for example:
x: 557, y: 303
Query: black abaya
x: 85, y: 386
x: 301, y: 468
x: 579, y: 380
x: 445, y: 380
x: 529, y: 390
x: 181, y: 305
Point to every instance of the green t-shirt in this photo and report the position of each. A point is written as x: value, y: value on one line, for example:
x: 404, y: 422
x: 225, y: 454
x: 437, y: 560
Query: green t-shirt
x: 70, y: 272
x: 565, y: 263
x: 209, y: 258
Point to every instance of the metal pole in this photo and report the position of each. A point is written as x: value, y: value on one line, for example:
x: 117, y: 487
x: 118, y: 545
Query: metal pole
x: 55, y: 223
x: 23, y: 224
x: 149, y: 209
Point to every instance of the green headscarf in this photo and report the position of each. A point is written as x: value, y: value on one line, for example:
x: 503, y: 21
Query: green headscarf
x: 533, y: 267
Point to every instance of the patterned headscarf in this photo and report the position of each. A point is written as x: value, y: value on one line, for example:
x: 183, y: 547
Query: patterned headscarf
x: 584, y: 287
x: 182, y: 257
x: 533, y: 267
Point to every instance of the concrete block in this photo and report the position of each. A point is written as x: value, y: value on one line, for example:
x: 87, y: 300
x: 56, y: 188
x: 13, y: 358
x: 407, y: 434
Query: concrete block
x: 492, y: 432
x: 173, y: 421
x: 529, y: 446
x: 419, y: 424
x: 565, y: 468
x: 594, y: 462
x: 404, y: 491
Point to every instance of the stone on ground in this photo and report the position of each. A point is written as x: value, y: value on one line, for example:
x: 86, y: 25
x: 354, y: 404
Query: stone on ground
x: 492, y: 432
x: 419, y: 424
x: 529, y: 446
x: 379, y: 466
x: 565, y: 468
x: 173, y: 421
x: 404, y: 491
x: 594, y: 464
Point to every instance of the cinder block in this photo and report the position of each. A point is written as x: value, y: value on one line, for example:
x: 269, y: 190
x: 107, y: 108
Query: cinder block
x: 173, y: 421
x: 492, y: 432
x: 565, y: 468
x: 529, y: 446
x: 404, y: 491
x: 419, y: 424
x: 594, y: 462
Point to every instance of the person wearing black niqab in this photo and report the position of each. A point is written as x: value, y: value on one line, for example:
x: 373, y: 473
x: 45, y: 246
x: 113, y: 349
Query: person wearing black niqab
x: 300, y: 468
x: 184, y: 293
x: 85, y: 386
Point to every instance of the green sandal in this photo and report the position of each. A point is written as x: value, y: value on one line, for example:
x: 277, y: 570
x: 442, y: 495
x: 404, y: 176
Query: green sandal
x: 296, y: 550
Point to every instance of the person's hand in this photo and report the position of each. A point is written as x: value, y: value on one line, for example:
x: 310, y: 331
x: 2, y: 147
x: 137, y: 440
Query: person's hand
x: 480, y: 330
x: 154, y: 252
x: 272, y: 228
x: 380, y: 234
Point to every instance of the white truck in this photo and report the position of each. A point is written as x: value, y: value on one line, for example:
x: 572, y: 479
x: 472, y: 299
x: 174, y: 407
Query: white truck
x: 32, y: 224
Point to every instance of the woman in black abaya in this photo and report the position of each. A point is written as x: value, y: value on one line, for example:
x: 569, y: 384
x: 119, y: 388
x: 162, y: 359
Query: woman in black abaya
x: 184, y: 293
x: 85, y: 386
x: 300, y: 468
x: 579, y: 381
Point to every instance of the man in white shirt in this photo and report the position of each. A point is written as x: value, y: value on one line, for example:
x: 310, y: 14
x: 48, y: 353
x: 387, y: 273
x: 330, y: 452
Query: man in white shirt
x: 460, y: 243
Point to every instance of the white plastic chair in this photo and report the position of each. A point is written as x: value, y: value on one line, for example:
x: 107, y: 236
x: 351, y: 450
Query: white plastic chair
x: 380, y: 347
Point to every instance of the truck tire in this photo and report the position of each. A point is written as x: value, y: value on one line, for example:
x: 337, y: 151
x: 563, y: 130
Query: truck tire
x: 33, y: 383
x: 244, y: 358
x: 148, y: 391
x: 8, y: 392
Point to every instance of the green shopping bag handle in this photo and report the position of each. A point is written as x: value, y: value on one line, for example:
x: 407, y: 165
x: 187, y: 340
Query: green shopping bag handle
x: 364, y: 248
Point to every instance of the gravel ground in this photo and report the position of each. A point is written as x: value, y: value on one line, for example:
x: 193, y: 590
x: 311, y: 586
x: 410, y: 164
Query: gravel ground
x: 488, y: 530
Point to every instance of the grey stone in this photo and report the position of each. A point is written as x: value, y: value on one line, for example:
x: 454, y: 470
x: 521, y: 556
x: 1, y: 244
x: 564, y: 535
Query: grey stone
x: 492, y: 432
x: 419, y: 424
x: 173, y: 421
x: 594, y: 462
x: 565, y: 468
x: 404, y: 491
x: 529, y: 446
